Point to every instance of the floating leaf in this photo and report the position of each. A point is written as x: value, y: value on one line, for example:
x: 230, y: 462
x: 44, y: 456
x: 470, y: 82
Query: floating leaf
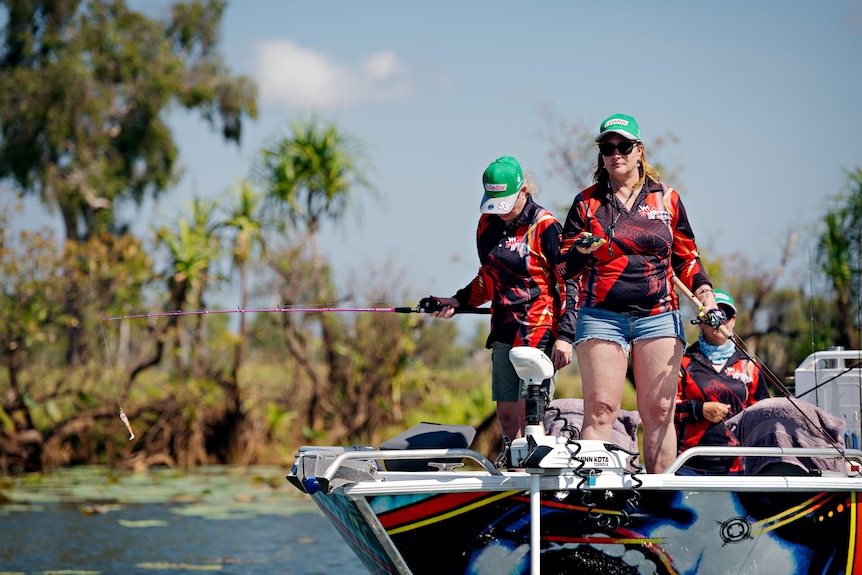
x: 96, y: 509
x: 173, y: 566
x: 142, y: 523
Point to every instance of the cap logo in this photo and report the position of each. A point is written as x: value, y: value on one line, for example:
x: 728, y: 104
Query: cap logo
x: 616, y: 121
x: 495, y: 187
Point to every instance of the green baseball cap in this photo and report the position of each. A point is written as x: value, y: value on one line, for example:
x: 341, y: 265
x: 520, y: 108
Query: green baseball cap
x: 625, y: 126
x: 502, y: 180
x: 725, y: 299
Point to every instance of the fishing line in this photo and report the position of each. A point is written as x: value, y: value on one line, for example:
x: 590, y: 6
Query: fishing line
x: 846, y: 370
x: 123, y: 417
x: 811, y: 319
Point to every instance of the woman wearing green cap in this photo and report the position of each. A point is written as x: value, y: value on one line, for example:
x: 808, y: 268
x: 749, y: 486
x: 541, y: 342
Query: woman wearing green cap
x: 641, y: 238
x: 716, y: 382
x: 518, y: 242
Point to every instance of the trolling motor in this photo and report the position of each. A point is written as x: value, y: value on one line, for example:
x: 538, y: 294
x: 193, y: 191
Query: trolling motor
x: 543, y: 453
x: 533, y: 366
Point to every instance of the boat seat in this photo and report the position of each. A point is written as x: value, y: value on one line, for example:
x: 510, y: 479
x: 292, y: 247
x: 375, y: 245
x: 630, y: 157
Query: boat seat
x: 782, y: 468
x: 428, y: 436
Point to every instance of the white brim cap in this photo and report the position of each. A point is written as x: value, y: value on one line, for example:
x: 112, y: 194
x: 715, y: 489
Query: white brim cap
x: 504, y: 205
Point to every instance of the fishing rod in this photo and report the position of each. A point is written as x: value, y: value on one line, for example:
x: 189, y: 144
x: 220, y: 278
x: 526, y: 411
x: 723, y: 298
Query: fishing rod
x: 713, y: 320
x: 425, y: 305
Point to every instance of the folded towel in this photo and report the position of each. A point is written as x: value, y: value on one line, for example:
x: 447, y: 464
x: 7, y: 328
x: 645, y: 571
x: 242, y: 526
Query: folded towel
x: 779, y: 422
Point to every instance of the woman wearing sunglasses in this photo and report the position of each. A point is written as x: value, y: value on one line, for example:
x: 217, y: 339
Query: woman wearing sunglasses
x: 626, y: 236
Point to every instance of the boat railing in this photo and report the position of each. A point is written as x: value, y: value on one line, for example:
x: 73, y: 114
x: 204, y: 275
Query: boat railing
x: 825, y: 452
x: 326, y: 468
x: 336, y: 462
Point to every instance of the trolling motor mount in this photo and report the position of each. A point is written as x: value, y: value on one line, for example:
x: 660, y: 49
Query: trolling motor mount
x: 533, y: 366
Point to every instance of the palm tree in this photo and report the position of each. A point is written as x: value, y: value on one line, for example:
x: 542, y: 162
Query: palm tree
x: 840, y: 258
x: 245, y: 226
x: 193, y: 248
x: 311, y: 175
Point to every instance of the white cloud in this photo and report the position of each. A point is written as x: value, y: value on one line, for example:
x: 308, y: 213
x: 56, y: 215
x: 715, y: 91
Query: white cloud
x: 294, y: 77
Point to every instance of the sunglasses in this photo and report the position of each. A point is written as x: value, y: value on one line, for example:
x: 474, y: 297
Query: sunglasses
x: 625, y: 148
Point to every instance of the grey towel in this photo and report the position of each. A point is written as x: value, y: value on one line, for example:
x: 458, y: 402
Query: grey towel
x: 777, y: 422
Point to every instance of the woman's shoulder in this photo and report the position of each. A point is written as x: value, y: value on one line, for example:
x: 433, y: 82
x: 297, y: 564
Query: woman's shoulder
x: 590, y: 194
x: 657, y: 186
x: 534, y: 212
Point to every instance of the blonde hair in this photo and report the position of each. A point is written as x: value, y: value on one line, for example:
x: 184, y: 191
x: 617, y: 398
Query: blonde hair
x: 533, y: 188
x: 644, y: 169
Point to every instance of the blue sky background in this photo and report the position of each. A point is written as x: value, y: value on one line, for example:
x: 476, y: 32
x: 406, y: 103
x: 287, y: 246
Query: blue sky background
x: 763, y: 98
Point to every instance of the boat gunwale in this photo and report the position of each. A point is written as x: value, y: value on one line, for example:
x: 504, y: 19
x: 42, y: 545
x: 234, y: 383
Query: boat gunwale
x: 560, y: 479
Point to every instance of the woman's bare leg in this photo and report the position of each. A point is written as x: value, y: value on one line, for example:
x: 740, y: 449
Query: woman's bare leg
x: 656, y: 369
x: 603, y: 376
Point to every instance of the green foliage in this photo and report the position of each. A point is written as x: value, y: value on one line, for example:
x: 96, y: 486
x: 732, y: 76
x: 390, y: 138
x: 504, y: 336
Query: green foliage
x: 839, y: 256
x: 32, y: 287
x: 193, y: 248
x: 83, y: 90
x: 434, y: 346
x: 313, y: 173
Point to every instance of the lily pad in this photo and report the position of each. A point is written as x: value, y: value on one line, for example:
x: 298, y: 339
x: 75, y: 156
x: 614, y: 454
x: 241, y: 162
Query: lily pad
x: 142, y: 523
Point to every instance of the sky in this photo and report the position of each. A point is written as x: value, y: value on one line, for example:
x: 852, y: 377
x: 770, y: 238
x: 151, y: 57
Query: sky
x: 762, y: 100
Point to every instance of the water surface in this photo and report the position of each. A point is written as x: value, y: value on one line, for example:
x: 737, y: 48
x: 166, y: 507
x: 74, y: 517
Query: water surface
x: 92, y: 520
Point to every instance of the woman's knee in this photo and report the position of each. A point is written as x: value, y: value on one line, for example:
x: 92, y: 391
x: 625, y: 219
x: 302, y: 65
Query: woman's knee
x: 658, y: 413
x: 600, y: 411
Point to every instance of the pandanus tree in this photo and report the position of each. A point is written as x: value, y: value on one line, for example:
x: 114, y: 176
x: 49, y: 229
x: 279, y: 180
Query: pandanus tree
x: 840, y: 258
x: 311, y: 175
x: 245, y: 225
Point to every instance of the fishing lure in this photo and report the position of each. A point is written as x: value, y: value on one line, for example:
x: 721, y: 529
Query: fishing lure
x: 125, y: 419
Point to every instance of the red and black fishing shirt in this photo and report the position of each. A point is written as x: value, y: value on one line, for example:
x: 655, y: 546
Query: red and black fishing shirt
x: 646, y: 245
x: 738, y: 383
x: 530, y: 304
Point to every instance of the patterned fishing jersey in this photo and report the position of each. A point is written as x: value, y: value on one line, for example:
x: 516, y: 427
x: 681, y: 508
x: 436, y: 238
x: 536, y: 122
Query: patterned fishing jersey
x: 632, y: 272
x: 517, y: 275
x: 737, y: 384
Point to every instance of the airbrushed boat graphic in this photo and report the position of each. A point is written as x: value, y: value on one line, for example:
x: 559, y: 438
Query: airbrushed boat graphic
x: 570, y: 506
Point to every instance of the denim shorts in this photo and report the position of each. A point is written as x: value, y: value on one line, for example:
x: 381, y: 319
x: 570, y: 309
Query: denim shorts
x: 626, y: 329
x: 505, y: 383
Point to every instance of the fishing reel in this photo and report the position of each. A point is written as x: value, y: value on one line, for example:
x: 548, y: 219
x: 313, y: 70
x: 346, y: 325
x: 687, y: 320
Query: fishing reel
x: 713, y: 318
x: 431, y: 305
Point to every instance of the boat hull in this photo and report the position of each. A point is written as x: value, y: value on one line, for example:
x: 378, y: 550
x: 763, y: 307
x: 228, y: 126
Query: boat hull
x: 665, y: 531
